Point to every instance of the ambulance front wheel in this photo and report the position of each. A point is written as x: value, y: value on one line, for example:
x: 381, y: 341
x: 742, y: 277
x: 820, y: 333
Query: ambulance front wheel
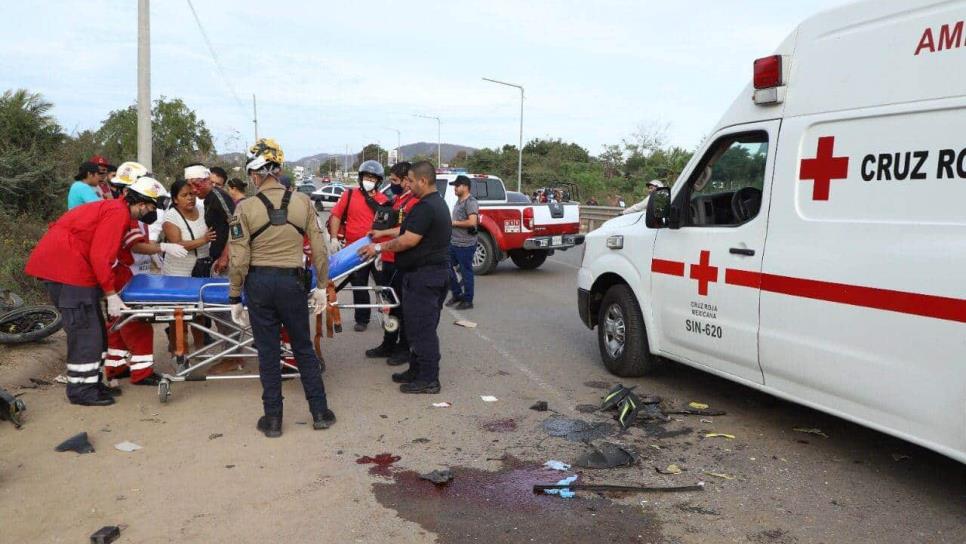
x: 621, y: 336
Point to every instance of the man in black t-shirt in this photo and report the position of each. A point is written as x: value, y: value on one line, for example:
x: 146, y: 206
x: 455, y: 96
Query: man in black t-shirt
x: 219, y: 208
x: 422, y: 251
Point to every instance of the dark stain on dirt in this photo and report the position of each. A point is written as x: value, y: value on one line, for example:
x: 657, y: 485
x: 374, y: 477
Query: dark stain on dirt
x: 382, y: 464
x: 772, y: 536
x: 576, y: 430
x: 500, y: 425
x: 598, y: 385
x: 481, y: 506
x: 658, y: 430
x: 586, y: 408
x: 695, y: 509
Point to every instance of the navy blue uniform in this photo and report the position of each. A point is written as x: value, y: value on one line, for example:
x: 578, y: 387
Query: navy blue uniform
x: 426, y: 280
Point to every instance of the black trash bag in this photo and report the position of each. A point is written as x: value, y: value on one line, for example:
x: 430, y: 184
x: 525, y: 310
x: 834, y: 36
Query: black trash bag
x: 78, y: 443
x: 605, y: 455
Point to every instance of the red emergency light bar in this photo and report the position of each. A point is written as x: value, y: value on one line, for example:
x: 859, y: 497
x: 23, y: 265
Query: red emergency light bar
x: 768, y: 72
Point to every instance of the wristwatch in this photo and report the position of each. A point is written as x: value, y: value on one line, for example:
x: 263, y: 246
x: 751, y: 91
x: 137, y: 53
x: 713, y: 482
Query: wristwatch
x: 378, y: 248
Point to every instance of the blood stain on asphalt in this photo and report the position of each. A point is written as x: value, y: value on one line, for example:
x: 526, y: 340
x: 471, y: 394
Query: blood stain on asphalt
x: 383, y: 464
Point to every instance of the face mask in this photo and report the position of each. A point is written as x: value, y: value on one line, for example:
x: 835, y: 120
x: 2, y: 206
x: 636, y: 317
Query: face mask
x: 150, y: 217
x: 368, y: 185
x: 396, y: 189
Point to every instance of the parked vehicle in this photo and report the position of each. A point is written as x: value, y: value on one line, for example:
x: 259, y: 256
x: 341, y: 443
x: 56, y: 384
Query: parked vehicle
x: 326, y: 196
x: 813, y: 248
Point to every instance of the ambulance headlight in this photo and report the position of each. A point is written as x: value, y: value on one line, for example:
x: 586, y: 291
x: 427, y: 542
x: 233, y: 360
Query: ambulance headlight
x: 615, y: 241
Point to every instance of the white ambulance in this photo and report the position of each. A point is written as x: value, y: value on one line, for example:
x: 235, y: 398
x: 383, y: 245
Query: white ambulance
x: 815, y: 246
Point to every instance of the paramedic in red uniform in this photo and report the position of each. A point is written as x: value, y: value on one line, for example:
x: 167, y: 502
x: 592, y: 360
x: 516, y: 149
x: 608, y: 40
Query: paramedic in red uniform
x: 356, y: 209
x: 75, y: 258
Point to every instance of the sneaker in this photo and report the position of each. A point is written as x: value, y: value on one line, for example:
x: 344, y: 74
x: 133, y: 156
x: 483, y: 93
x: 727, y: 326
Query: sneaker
x: 398, y: 357
x: 323, y: 421
x: 465, y: 305
x: 271, y: 426
x: 380, y: 351
x: 153, y: 379
x: 404, y: 377
x: 359, y: 327
x: 430, y: 388
x: 453, y: 301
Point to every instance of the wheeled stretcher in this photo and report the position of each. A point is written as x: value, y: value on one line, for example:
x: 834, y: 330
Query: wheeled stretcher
x: 196, y: 302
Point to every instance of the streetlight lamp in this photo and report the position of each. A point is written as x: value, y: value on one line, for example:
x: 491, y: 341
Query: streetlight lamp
x: 439, y: 160
x: 520, y: 156
x: 398, y: 143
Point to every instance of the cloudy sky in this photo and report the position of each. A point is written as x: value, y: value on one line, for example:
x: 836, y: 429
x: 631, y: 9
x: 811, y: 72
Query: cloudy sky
x: 331, y: 74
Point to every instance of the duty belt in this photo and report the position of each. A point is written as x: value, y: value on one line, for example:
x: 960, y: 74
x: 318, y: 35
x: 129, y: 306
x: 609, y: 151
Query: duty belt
x: 277, y: 271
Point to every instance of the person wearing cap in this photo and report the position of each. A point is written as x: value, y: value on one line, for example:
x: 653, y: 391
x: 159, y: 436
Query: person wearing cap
x: 103, y: 168
x: 466, y: 214
x: 75, y: 258
x: 218, y: 177
x: 86, y: 186
x: 355, y: 211
x: 642, y: 205
x: 422, y: 252
x: 236, y: 188
x: 267, y: 233
x: 218, y: 209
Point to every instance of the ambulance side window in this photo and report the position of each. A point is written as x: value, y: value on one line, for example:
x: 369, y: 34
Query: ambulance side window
x: 726, y: 188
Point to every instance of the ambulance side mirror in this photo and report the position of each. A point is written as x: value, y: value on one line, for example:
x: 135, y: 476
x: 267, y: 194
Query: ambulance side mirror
x: 660, y: 214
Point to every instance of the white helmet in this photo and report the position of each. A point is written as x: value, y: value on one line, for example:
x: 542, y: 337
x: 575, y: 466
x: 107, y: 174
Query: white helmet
x: 149, y: 190
x: 128, y: 173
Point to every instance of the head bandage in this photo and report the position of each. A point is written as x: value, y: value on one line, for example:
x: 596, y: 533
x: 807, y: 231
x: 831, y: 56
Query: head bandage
x: 196, y: 172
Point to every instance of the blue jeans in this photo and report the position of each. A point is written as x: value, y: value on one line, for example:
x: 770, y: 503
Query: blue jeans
x: 275, y: 300
x: 461, y: 258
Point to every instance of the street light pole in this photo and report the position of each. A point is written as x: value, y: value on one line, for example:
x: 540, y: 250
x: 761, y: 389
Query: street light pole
x: 439, y: 144
x: 398, y: 143
x: 520, y: 154
x: 144, y: 84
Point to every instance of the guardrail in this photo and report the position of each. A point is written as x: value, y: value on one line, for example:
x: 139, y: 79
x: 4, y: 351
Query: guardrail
x: 591, y: 217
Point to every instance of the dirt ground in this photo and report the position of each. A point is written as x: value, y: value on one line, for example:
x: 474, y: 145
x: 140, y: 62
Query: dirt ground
x: 205, y: 475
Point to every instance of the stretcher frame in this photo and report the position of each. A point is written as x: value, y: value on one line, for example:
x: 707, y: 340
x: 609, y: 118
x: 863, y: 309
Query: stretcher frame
x: 238, y: 341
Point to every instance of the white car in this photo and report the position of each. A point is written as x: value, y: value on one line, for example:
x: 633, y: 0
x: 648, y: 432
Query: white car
x: 326, y: 196
x: 815, y: 245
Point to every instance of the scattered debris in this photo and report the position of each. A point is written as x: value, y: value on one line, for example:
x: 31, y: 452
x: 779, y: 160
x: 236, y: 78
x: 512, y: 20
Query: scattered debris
x: 606, y: 455
x: 500, y: 425
x: 719, y: 435
x: 698, y: 405
x: 465, y: 323
x: 38, y: 381
x: 489, y: 398
x: 704, y: 420
x: 557, y: 465
x: 439, y: 477
x: 540, y: 406
x: 671, y: 469
x: 655, y: 446
x: 127, y: 446
x: 420, y: 440
x: 617, y: 488
x: 441, y: 405
x: 899, y: 457
x: 814, y: 431
x: 708, y: 412
x: 61, y: 379
x: 213, y: 436
x: 561, y: 488
x: 721, y: 475
x: 11, y: 407
x: 615, y: 396
x: 78, y: 443
x: 576, y: 430
x: 586, y: 408
x: 106, y: 535
x: 694, y: 509
x: 229, y: 466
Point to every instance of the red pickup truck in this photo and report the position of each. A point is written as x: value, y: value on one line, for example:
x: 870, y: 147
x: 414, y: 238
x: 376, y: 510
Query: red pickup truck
x: 525, y: 232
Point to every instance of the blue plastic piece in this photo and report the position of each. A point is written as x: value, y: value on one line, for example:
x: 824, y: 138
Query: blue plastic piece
x: 563, y: 493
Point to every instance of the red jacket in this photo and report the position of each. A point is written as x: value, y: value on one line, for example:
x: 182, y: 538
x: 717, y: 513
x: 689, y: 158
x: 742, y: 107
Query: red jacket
x: 81, y: 247
x: 358, y: 221
x: 403, y: 204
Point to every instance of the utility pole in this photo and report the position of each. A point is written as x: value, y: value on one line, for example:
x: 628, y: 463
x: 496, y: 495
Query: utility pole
x: 439, y: 145
x: 144, y: 85
x: 520, y: 154
x: 398, y: 144
x: 255, y: 116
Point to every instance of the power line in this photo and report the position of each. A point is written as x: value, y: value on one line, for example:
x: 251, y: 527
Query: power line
x: 214, y: 56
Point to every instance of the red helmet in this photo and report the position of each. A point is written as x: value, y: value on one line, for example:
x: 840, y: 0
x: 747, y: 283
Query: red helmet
x: 99, y: 160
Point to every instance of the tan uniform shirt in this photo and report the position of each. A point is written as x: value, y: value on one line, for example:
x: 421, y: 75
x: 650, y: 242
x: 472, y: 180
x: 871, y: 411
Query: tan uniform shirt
x: 279, y: 245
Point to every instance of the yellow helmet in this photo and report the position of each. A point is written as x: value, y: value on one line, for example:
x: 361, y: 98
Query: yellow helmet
x: 128, y: 173
x: 265, y: 151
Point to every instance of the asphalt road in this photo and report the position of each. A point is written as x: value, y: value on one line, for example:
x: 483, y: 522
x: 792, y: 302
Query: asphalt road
x: 205, y: 475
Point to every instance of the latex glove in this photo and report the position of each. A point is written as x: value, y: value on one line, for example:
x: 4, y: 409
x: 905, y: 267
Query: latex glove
x: 334, y: 246
x: 318, y: 299
x: 239, y: 315
x: 115, y: 305
x: 175, y: 250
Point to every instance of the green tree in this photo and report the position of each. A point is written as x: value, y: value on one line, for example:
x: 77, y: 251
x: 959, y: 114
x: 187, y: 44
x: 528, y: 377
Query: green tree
x: 180, y: 137
x: 330, y: 166
x: 30, y: 139
x: 371, y: 152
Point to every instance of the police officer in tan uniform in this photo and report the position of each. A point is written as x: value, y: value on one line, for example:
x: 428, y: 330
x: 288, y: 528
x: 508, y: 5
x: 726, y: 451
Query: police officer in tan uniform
x: 266, y: 237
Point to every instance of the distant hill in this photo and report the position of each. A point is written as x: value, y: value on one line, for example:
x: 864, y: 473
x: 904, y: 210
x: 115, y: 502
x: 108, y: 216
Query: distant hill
x: 447, y: 151
x: 312, y: 162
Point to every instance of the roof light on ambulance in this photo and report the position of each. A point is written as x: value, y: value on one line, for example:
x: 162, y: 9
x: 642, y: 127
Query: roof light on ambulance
x: 769, y: 80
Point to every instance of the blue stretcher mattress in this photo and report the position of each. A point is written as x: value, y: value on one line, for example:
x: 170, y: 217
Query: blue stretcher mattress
x: 179, y: 289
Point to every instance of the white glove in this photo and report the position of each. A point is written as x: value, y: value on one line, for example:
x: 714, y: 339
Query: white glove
x: 239, y: 315
x: 334, y: 246
x: 115, y: 305
x: 318, y: 299
x: 175, y: 250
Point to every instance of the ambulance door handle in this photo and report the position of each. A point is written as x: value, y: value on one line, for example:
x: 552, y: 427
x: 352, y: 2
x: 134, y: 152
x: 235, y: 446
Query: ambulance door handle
x: 742, y: 251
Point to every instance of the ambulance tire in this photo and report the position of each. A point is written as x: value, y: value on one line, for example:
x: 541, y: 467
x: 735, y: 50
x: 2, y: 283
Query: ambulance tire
x: 485, y: 257
x: 621, y: 336
x: 528, y: 259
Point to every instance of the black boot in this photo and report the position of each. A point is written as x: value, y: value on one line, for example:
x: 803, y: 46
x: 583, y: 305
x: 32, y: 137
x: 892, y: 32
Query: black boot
x: 112, y: 391
x: 382, y: 350
x: 89, y: 395
x: 404, y: 377
x: 398, y: 357
x: 323, y: 420
x: 271, y: 426
x: 453, y: 301
x: 430, y: 388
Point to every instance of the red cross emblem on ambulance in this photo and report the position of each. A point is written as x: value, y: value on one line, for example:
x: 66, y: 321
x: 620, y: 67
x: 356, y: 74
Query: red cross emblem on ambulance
x: 704, y: 273
x: 823, y: 168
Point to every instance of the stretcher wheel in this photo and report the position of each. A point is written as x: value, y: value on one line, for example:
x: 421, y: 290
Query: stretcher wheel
x: 391, y: 324
x: 164, y: 391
